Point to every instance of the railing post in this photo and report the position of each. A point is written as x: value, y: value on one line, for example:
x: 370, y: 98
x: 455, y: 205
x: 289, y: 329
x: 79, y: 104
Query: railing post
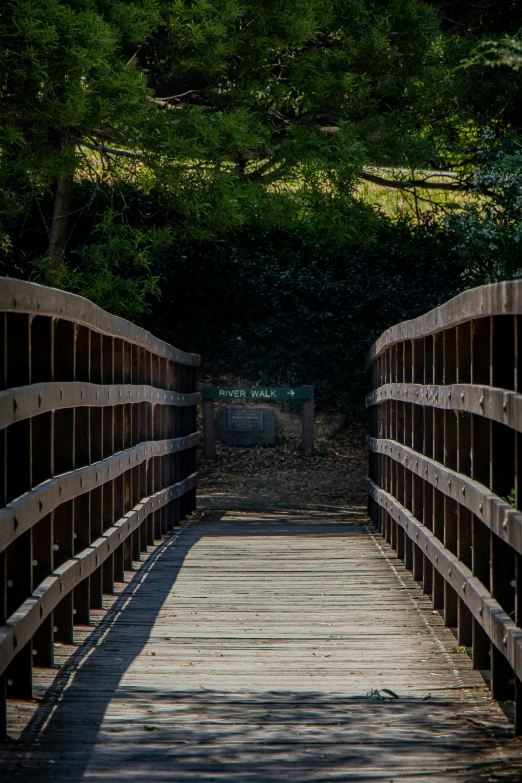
x: 209, y: 429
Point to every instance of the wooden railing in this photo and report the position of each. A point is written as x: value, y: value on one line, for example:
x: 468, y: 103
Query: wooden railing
x: 446, y: 468
x: 97, y: 444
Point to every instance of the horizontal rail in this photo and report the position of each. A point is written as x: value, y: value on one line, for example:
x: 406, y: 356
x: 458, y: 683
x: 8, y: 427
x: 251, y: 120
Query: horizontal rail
x: 501, y: 518
x: 446, y: 468
x: 24, y: 402
x: 499, y: 627
x: 496, y: 404
x: 19, y: 296
x: 24, y: 512
x: 98, y: 436
x: 22, y: 625
x: 487, y: 300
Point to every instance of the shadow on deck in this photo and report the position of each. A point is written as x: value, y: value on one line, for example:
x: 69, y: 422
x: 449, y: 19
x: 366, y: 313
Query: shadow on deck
x: 122, y: 711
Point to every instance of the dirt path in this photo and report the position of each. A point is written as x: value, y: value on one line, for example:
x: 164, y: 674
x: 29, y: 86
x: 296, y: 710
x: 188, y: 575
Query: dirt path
x: 279, y: 476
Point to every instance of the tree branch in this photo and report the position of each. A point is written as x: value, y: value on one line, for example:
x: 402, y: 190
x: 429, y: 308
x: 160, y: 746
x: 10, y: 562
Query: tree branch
x: 413, y: 183
x: 109, y: 150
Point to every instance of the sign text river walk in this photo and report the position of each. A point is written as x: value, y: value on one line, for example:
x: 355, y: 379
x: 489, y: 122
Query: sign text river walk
x: 257, y: 393
x: 257, y: 425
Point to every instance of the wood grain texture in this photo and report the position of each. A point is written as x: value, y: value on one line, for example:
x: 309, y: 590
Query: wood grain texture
x: 24, y: 622
x: 247, y: 650
x: 495, y: 512
x: 46, y: 497
x: 20, y: 296
x: 485, y: 401
x: 494, y: 299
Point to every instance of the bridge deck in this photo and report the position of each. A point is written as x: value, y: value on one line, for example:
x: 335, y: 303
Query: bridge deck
x: 247, y: 650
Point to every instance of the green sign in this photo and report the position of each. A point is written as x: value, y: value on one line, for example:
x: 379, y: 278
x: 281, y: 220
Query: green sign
x: 258, y: 393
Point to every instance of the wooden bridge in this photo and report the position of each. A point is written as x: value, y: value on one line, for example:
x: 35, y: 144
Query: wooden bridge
x: 141, y: 639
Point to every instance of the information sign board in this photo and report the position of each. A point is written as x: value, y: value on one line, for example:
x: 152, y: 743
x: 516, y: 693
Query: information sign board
x: 258, y: 393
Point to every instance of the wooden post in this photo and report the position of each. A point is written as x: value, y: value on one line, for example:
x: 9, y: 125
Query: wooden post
x: 209, y: 429
x: 308, y: 424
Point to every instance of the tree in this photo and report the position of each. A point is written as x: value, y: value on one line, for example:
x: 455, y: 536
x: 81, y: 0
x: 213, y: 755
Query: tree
x: 224, y: 106
x: 219, y: 113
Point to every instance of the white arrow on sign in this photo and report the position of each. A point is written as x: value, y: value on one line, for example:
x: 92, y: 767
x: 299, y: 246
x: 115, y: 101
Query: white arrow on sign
x: 291, y: 392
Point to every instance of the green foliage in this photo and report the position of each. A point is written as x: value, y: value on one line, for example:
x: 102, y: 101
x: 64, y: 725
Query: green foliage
x: 279, y: 308
x: 234, y: 111
x: 488, y: 230
x: 115, y: 270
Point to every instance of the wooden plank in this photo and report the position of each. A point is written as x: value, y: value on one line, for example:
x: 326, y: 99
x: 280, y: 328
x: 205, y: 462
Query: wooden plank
x: 500, y: 628
x: 17, y: 404
x: 24, y: 622
x: 249, y: 649
x: 31, y: 507
x: 486, y: 402
x: 494, y: 511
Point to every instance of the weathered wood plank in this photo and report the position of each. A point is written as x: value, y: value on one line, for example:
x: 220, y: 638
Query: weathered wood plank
x: 248, y: 650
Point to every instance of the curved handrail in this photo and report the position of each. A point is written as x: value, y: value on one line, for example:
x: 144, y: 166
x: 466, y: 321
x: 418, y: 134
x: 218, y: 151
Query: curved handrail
x: 19, y: 296
x: 494, y: 299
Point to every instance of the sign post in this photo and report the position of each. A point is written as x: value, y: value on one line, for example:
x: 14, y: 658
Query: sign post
x: 209, y: 429
x: 304, y: 393
x: 308, y: 423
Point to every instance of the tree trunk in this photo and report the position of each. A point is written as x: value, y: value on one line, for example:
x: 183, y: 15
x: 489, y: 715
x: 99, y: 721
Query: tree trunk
x: 62, y: 208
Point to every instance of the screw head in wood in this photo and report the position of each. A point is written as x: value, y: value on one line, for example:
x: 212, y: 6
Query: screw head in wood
x: 505, y: 406
x: 480, y: 611
x: 504, y: 524
x: 436, y: 558
x: 505, y: 641
x: 481, y: 506
x: 463, y: 490
x: 481, y: 402
x: 449, y: 571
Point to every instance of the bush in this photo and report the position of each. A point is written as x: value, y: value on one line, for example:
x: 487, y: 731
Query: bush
x: 279, y: 308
